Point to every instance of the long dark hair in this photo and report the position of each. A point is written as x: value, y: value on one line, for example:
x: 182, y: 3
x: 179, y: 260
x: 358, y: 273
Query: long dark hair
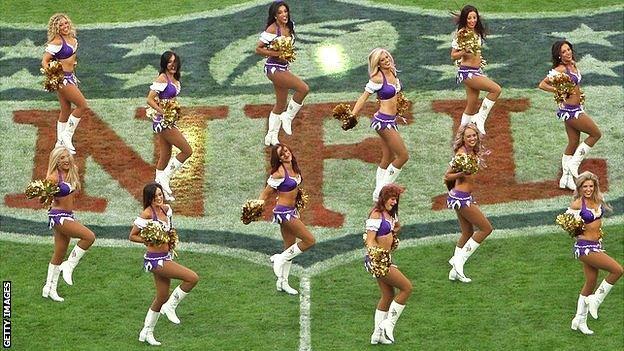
x: 556, y: 52
x: 273, y: 13
x: 388, y: 191
x: 164, y: 60
x: 462, y: 20
x: 276, y: 162
x: 149, y: 193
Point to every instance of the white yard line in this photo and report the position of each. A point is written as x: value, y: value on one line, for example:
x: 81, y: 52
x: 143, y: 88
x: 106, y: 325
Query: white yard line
x: 305, y: 340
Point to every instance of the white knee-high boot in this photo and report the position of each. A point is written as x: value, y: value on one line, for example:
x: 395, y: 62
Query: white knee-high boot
x: 287, y: 255
x: 387, y: 325
x: 459, y: 260
x: 291, y: 112
x: 392, y: 173
x: 68, y: 134
x: 594, y: 300
x: 275, y: 121
x: 60, y: 129
x: 579, y: 155
x: 580, y: 319
x: 169, y: 307
x: 465, y: 119
x: 452, y: 273
x: 49, y: 289
x: 482, y: 115
x: 566, y: 181
x: 282, y: 283
x: 147, y: 333
x: 164, y: 177
x: 378, y: 336
x: 67, y: 267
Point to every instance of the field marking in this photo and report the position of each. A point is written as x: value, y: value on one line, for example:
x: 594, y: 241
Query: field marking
x: 241, y: 7
x: 305, y: 333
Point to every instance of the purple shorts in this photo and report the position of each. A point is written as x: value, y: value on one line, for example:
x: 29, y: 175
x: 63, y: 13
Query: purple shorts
x: 272, y: 66
x: 381, y: 121
x: 283, y: 214
x: 585, y: 247
x: 458, y: 199
x: 153, y: 260
x: 70, y: 78
x: 467, y: 72
x: 57, y: 217
x: 566, y: 112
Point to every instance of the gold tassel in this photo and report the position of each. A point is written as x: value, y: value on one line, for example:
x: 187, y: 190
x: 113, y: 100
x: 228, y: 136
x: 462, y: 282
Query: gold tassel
x: 53, y: 76
x: 380, y: 261
x: 468, y: 164
x: 252, y: 211
x: 395, y: 241
x: 285, y: 47
x: 43, y: 189
x: 563, y: 85
x: 154, y: 234
x: 574, y: 226
x: 403, y: 104
x: 171, y: 114
x: 468, y: 40
x: 173, y: 239
x: 342, y: 112
x: 303, y: 198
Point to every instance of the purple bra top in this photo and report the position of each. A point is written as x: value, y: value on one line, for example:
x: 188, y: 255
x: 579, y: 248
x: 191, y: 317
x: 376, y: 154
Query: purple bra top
x: 384, y: 227
x: 64, y: 188
x: 289, y: 184
x: 273, y: 59
x: 587, y: 215
x: 574, y: 77
x: 65, y: 52
x: 387, y: 91
x: 155, y: 217
x: 169, y: 92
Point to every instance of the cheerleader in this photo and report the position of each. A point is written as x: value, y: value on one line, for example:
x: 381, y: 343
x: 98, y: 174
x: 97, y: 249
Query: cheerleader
x: 280, y: 24
x: 571, y: 112
x: 589, y: 206
x: 470, y: 72
x: 382, y: 227
x: 384, y: 81
x: 62, y: 46
x: 159, y: 260
x: 63, y: 171
x: 167, y: 87
x: 460, y: 184
x: 284, y: 181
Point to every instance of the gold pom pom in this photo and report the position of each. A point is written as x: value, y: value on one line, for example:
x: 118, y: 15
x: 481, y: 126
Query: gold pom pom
x: 395, y: 241
x: 171, y: 114
x: 574, y: 226
x: 154, y: 234
x: 380, y: 261
x: 285, y: 47
x: 53, y: 76
x: 468, y: 164
x: 342, y: 112
x: 403, y: 104
x: 468, y: 40
x: 303, y: 198
x: 564, y: 87
x: 252, y: 211
x: 173, y: 239
x: 43, y: 189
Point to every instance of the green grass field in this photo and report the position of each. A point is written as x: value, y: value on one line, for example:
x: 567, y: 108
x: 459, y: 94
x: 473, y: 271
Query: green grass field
x: 522, y: 298
x: 525, y: 280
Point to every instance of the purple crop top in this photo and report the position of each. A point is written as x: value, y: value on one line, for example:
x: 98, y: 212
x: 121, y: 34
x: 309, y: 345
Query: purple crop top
x: 66, y: 51
x: 384, y: 227
x: 574, y: 77
x: 169, y: 92
x: 64, y: 188
x: 385, y: 90
x: 289, y: 184
x: 587, y: 215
